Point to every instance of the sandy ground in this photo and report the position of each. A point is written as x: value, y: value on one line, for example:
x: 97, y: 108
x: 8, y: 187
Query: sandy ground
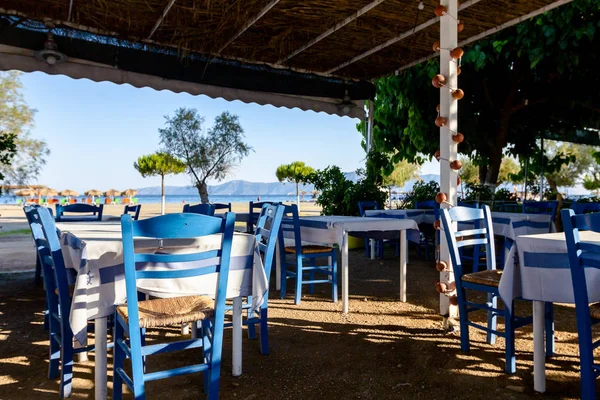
x: 383, y: 349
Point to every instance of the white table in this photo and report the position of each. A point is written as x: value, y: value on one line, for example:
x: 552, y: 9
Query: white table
x: 333, y: 229
x: 541, y: 273
x: 95, y: 251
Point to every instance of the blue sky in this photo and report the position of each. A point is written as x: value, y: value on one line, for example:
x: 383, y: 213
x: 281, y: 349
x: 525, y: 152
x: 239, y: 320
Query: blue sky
x: 95, y: 131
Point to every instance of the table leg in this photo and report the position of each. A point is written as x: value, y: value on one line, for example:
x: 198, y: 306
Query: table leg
x: 372, y: 247
x: 100, y: 356
x: 539, y: 350
x: 345, y: 273
x: 277, y: 267
x: 236, y: 356
x: 403, y: 252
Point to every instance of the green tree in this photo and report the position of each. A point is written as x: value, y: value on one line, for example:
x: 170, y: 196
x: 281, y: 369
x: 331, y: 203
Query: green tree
x: 26, y: 155
x: 468, y: 173
x: 296, y: 172
x: 403, y: 172
x: 508, y: 168
x: 536, y: 79
x: 591, y: 181
x: 570, y: 173
x: 207, y: 155
x: 159, y: 164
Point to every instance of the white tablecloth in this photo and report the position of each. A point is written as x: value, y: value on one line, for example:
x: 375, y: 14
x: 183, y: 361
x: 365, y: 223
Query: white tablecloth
x: 420, y: 216
x: 330, y: 229
x: 511, y: 225
x: 95, y: 251
x: 541, y: 270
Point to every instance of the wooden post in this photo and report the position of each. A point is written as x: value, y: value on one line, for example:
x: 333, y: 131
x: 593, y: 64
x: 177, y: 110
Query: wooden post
x: 448, y: 147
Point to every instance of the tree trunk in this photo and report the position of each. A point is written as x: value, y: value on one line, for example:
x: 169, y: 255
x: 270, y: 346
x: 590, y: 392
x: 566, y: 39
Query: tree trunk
x: 162, y: 195
x: 297, y: 197
x: 488, y: 174
x: 202, y: 191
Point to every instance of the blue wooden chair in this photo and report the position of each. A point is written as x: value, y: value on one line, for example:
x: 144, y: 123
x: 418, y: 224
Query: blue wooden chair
x: 585, y: 208
x: 429, y: 234
x: 90, y: 212
x: 38, y: 263
x: 267, y: 232
x: 581, y: 257
x: 222, y: 206
x: 206, y: 314
x: 58, y: 297
x: 291, y: 223
x: 507, y: 206
x: 203, y: 209
x: 254, y: 210
x: 133, y: 209
x: 541, y: 207
x: 484, y: 281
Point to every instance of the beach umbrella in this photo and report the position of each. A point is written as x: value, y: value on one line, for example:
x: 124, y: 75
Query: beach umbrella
x: 48, y: 192
x: 68, y: 193
x: 26, y: 193
x: 112, y: 193
x: 130, y: 192
x: 93, y: 192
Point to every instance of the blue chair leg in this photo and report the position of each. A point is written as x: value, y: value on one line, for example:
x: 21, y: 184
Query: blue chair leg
x: 215, y: 363
x: 251, y: 326
x: 334, y: 276
x: 380, y: 249
x: 426, y: 248
x: 298, y: 294
x: 492, y: 318
x: 464, y: 323
x: 54, y: 351
x: 264, y: 332
x: 509, y: 321
x: 137, y: 365
x: 283, y: 279
x: 207, y: 351
x: 38, y: 270
x: 549, y: 321
x: 66, y: 367
x: 119, y: 357
x: 367, y: 248
x: 398, y: 249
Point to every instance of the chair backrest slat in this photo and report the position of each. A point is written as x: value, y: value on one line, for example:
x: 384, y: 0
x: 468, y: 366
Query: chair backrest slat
x: 267, y: 232
x: 584, y: 208
x: 222, y: 206
x: 79, y: 208
x: 135, y: 209
x: 290, y: 223
x: 367, y: 205
x: 429, y: 205
x: 541, y: 207
x: 158, y: 257
x: 203, y: 209
x: 480, y: 236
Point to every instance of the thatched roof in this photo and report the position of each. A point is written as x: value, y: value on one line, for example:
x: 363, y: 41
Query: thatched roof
x: 207, y: 26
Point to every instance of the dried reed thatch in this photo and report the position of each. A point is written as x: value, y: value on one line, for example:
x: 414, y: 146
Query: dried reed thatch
x: 217, y: 28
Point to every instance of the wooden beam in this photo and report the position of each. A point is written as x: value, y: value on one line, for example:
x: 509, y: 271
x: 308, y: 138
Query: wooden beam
x: 70, y: 10
x: 396, y: 39
x: 249, y: 23
x: 329, y: 31
x: 161, y: 18
x: 491, y: 31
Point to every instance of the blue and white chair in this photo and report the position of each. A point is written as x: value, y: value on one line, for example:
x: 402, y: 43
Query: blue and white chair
x: 302, y: 254
x: 58, y: 297
x: 254, y: 210
x: 585, y: 208
x: 206, y: 314
x: 222, y: 206
x: 486, y: 281
x: 427, y: 231
x: 90, y: 212
x: 541, y: 207
x: 266, y: 233
x: 203, y: 209
x: 135, y: 210
x: 583, y: 257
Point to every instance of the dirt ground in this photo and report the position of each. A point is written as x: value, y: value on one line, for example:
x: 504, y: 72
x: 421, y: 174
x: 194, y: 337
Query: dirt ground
x: 383, y: 349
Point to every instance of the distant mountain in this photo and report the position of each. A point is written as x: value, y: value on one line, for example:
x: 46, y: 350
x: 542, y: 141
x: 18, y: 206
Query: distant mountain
x: 245, y: 188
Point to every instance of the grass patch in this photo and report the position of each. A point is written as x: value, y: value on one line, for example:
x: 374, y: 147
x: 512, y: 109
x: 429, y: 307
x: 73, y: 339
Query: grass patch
x: 16, y: 232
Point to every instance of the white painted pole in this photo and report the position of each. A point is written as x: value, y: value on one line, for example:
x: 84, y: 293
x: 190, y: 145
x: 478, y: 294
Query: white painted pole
x: 370, y: 123
x: 539, y: 350
x: 100, y: 357
x: 448, y: 147
x: 236, y: 356
x: 403, y: 260
x: 345, y: 273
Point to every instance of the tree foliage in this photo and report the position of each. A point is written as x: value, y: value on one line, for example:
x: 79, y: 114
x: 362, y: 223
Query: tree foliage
x: 159, y: 164
x: 296, y: 172
x: 210, y: 154
x: 402, y: 173
x: 535, y: 79
x: 21, y: 155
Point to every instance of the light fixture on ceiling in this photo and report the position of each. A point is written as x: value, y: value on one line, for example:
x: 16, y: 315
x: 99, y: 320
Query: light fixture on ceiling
x: 50, y: 53
x: 346, y: 103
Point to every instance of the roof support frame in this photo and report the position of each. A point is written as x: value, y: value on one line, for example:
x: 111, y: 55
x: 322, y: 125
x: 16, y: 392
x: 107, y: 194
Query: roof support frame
x: 70, y: 10
x: 396, y: 39
x: 161, y: 18
x: 331, y: 30
x: 248, y: 24
x: 491, y: 31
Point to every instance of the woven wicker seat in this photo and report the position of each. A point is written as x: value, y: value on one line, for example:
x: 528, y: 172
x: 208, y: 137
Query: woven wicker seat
x: 309, y: 249
x: 172, y: 311
x: 595, y: 311
x: 488, y: 277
